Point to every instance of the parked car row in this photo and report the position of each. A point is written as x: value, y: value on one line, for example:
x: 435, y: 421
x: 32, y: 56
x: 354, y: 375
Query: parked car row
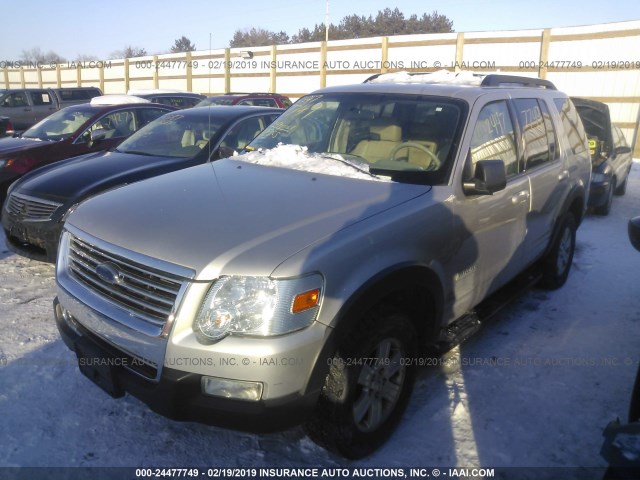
x: 39, y: 202
x: 26, y: 106
x: 98, y: 125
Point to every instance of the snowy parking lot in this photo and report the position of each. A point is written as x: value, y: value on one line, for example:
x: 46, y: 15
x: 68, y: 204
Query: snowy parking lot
x: 534, y: 388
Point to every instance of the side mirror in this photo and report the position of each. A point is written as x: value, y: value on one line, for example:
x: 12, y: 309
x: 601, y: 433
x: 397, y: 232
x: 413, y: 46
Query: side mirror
x: 489, y: 178
x: 622, y: 150
x: 97, y: 135
x: 634, y: 232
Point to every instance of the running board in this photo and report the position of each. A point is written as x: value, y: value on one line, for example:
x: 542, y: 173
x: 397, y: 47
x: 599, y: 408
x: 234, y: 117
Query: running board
x: 468, y: 324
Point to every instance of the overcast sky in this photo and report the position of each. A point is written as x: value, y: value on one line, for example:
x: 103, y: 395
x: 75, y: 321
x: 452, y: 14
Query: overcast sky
x: 72, y: 28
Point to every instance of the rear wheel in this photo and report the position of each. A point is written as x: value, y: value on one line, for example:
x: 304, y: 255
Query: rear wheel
x: 557, y: 264
x: 622, y: 189
x: 368, y: 386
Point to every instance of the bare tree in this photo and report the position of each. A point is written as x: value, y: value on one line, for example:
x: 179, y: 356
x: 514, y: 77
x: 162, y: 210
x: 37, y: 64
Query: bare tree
x: 129, y: 51
x: 36, y: 55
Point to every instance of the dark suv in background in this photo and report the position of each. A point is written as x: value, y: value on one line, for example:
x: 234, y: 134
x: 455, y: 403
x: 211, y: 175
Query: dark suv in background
x: 255, y: 99
x: 611, y: 155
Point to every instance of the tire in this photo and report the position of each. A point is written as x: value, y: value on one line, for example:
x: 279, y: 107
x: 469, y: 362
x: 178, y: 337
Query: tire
x: 606, y: 208
x: 363, y: 399
x: 557, y: 264
x: 622, y: 188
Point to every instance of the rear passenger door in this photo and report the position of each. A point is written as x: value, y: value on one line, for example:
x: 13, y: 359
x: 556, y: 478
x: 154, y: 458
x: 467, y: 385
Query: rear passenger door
x: 43, y: 104
x: 547, y: 170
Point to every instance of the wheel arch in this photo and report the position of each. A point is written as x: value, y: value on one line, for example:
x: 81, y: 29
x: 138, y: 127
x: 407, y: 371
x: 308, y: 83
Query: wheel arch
x: 415, y: 290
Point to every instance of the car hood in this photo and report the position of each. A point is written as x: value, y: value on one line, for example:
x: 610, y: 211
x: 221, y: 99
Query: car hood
x: 71, y: 179
x: 13, y: 145
x: 232, y: 217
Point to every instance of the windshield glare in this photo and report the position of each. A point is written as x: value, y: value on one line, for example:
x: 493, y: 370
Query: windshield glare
x: 380, y: 132
x: 172, y: 135
x: 59, y: 125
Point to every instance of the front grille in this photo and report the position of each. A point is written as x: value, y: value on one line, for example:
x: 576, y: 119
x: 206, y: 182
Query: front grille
x: 31, y: 208
x: 148, y: 293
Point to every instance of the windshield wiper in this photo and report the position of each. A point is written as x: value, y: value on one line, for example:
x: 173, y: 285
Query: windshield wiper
x: 339, y: 158
x: 136, y: 152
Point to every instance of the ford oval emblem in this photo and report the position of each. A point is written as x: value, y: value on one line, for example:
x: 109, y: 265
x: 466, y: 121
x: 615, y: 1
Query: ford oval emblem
x: 109, y: 273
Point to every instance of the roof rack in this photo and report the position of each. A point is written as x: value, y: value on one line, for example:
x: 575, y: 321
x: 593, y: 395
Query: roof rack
x: 461, y: 78
x: 495, y: 80
x: 249, y: 93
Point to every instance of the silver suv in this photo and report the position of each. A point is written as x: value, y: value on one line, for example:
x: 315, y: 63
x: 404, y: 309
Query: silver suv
x: 301, y: 281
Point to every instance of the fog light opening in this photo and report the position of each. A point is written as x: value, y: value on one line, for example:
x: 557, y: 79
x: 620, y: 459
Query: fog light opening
x: 233, y: 389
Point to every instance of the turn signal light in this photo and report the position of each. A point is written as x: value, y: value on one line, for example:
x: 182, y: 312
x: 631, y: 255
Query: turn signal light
x: 305, y: 301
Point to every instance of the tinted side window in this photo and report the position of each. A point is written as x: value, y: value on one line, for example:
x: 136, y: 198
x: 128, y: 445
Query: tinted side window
x: 537, y: 132
x: 493, y: 138
x: 619, y: 138
x: 72, y: 95
x: 572, y: 125
x: 259, y: 102
x: 15, y: 100
x: 115, y: 125
x: 40, y: 98
x: 147, y: 115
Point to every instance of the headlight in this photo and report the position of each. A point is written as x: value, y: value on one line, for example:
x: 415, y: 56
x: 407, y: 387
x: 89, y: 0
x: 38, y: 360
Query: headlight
x: 258, y: 306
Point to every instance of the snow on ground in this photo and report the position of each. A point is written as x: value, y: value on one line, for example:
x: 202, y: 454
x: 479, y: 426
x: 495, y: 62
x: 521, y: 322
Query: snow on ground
x: 535, y: 387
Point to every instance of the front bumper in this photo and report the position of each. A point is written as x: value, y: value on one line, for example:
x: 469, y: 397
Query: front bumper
x: 599, y: 193
x: 177, y: 394
x: 33, y: 239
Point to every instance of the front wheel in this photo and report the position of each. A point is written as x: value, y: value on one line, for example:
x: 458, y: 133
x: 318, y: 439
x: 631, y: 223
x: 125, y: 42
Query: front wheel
x: 557, y: 264
x: 368, y: 386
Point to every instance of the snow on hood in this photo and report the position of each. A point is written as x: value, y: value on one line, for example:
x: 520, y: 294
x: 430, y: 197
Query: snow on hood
x: 441, y: 76
x: 299, y: 158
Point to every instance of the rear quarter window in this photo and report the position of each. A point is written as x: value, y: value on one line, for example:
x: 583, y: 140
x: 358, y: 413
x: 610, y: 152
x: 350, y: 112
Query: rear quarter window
x: 572, y: 125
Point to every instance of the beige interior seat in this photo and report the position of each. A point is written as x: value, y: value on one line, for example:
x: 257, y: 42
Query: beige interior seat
x: 188, y: 138
x: 387, y: 137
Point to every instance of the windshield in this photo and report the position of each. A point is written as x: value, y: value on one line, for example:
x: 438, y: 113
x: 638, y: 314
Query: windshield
x: 173, y: 135
x: 59, y: 125
x: 406, y: 137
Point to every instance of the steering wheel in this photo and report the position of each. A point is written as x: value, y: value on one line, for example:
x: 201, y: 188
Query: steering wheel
x: 434, y: 160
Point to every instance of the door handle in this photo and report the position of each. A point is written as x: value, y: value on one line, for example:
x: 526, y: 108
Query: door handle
x: 520, y: 197
x: 563, y: 175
